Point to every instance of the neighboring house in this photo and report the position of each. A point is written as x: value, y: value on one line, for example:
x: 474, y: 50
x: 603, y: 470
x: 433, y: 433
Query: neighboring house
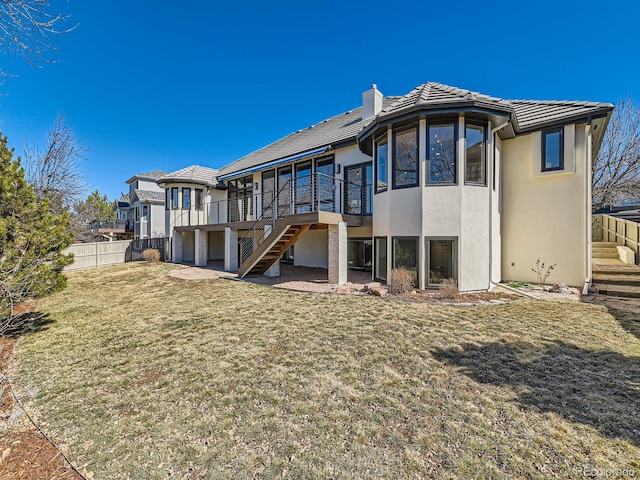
x: 442, y: 181
x: 146, y: 201
x: 119, y: 229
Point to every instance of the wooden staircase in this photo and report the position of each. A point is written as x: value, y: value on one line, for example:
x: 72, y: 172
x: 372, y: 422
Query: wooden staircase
x: 610, y: 275
x: 272, y: 248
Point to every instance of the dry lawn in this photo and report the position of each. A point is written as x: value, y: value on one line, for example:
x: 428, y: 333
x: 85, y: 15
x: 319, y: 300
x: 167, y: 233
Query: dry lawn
x: 144, y: 376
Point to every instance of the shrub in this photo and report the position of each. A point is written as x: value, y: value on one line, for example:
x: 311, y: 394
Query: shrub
x: 401, y: 281
x: 448, y: 290
x: 151, y: 255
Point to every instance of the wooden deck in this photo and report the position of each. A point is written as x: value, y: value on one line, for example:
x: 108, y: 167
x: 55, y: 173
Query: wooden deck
x: 317, y: 219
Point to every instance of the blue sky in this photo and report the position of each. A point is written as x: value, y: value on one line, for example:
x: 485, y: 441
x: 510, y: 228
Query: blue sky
x: 151, y: 85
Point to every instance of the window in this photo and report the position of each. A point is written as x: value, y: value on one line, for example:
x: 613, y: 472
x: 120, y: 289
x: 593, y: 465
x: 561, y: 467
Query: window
x: 475, y: 167
x: 304, y: 188
x: 186, y: 198
x: 268, y: 192
x: 325, y: 185
x: 382, y: 172
x: 240, y: 195
x: 167, y: 199
x: 137, y: 214
x: 357, y: 191
x: 198, y: 198
x: 145, y: 213
x: 552, y: 150
x: 405, y: 255
x: 441, y: 153
x: 405, y: 158
x: 441, y: 260
x: 380, y: 247
x: 174, y: 198
x: 359, y: 253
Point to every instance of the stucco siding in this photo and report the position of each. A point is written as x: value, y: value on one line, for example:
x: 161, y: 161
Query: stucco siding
x: 188, y: 247
x: 312, y: 249
x: 215, y: 242
x: 543, y: 216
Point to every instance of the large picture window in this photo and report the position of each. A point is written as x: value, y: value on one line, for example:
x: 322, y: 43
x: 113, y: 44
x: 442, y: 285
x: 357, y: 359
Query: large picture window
x: 405, y: 158
x: 441, y: 260
x: 405, y: 255
x: 382, y: 171
x: 552, y: 151
x: 475, y: 164
x: 441, y: 153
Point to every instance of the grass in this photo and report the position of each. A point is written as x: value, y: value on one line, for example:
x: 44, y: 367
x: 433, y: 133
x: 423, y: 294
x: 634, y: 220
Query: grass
x: 144, y: 376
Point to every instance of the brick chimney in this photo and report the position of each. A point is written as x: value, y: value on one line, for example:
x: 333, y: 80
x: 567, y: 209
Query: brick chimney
x: 371, y: 102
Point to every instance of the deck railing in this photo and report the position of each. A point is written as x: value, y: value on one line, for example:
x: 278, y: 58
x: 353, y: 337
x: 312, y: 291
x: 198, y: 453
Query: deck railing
x: 622, y: 232
x: 119, y: 224
x: 311, y: 193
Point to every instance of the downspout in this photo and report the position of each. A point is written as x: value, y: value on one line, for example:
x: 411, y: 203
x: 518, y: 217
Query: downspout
x: 491, y: 193
x: 588, y: 202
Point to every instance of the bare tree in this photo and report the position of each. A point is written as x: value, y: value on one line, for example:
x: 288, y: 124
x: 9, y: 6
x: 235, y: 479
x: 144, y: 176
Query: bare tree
x: 55, y: 172
x: 26, y: 27
x: 616, y: 169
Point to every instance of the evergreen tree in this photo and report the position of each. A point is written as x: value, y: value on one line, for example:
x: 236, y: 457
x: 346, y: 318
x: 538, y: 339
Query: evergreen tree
x: 31, y: 240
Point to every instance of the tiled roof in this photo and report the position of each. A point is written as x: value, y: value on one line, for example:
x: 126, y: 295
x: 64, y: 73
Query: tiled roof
x: 193, y: 174
x: 525, y: 115
x: 529, y: 114
x: 532, y: 114
x: 153, y: 174
x: 335, y: 130
x: 149, y: 196
x: 436, y: 95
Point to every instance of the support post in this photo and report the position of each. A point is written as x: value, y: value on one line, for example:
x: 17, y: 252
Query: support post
x: 200, y: 248
x: 176, y: 247
x: 230, y: 249
x: 338, y: 253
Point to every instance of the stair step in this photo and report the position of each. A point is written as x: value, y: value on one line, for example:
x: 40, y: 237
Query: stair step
x: 605, y: 255
x: 616, y: 279
x: 629, y: 291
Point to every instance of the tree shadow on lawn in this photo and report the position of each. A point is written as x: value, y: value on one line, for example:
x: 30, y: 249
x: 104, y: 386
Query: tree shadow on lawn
x: 628, y: 320
x: 26, y: 322
x: 596, y: 388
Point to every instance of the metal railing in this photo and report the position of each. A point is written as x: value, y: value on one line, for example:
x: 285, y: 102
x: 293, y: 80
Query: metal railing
x: 120, y: 224
x: 311, y: 193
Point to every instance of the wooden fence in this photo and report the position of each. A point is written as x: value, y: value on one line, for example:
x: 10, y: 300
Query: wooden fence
x: 618, y: 230
x: 97, y: 254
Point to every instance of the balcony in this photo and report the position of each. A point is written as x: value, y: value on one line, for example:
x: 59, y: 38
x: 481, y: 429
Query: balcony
x: 317, y: 193
x: 112, y: 226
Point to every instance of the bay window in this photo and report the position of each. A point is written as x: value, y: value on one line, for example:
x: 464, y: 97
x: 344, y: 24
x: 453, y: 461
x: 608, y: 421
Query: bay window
x: 405, y: 158
x: 441, y: 153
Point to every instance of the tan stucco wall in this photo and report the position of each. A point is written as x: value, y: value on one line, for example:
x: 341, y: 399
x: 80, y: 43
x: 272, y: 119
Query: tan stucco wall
x: 188, y: 247
x: 543, y: 216
x: 215, y: 245
x: 312, y: 250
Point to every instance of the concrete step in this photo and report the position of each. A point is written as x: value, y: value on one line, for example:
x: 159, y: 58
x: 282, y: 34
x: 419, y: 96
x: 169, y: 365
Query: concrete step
x: 616, y: 279
x: 604, y: 249
x: 605, y: 254
x: 628, y: 291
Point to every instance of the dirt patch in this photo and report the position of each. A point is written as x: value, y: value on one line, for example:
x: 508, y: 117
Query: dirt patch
x: 24, y: 453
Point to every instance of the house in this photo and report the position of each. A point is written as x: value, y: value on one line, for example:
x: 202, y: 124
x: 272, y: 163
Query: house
x: 146, y: 202
x: 442, y: 181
